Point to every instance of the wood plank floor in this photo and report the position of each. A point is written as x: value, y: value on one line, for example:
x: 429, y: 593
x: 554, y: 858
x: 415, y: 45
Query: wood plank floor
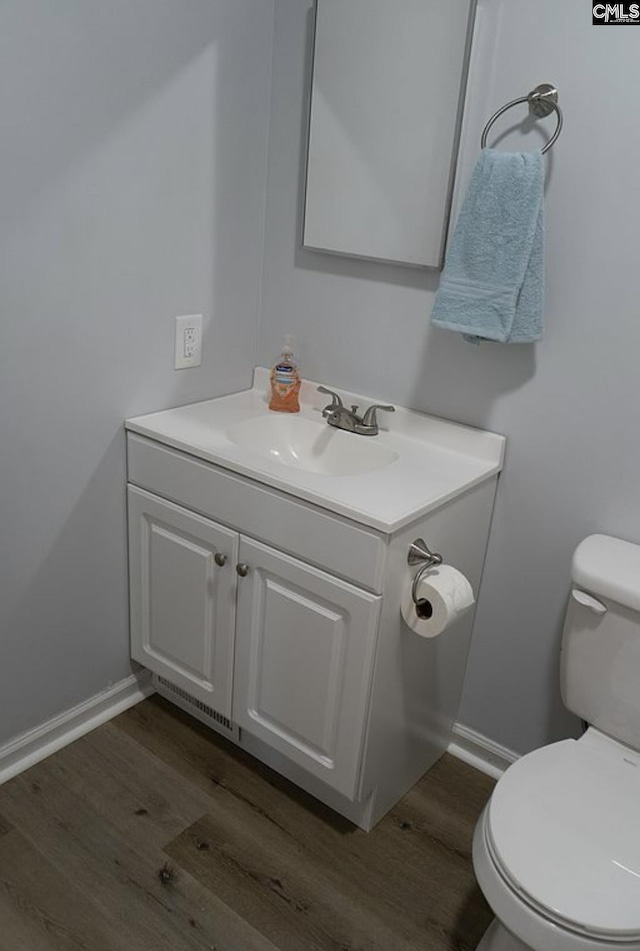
x: 153, y: 833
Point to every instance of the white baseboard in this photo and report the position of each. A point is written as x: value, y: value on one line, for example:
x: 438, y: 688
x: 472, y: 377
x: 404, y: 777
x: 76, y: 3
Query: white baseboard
x: 35, y: 745
x: 29, y: 748
x: 481, y: 752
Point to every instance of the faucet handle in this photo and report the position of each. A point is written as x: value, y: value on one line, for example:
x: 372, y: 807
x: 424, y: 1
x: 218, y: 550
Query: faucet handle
x: 335, y: 399
x: 370, y: 418
x: 336, y: 402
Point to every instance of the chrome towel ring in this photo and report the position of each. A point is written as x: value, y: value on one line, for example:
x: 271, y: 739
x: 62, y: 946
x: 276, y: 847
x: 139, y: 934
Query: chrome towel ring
x: 543, y: 100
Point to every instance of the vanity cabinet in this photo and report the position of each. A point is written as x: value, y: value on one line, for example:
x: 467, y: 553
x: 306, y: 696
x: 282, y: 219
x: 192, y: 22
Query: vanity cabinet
x: 303, y: 640
x: 265, y: 599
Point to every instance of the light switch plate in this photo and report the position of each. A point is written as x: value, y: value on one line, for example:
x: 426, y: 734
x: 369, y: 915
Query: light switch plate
x: 188, y: 342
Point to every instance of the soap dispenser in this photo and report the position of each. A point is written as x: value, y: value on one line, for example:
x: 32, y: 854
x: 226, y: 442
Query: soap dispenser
x: 285, y: 381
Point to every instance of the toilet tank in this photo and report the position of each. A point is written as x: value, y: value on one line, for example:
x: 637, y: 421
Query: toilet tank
x: 600, y: 657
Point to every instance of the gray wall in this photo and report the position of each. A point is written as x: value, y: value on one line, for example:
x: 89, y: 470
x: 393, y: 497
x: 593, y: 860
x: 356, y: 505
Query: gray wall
x: 132, y: 171
x: 132, y: 189
x: 569, y: 406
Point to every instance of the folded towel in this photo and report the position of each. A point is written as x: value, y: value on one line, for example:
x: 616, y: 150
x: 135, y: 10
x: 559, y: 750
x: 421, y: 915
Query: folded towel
x: 492, y: 285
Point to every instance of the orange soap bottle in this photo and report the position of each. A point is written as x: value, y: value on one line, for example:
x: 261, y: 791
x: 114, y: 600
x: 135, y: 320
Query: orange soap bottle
x: 285, y: 381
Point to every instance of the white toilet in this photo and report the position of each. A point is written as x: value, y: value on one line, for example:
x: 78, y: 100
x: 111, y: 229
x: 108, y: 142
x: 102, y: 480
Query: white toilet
x: 557, y: 849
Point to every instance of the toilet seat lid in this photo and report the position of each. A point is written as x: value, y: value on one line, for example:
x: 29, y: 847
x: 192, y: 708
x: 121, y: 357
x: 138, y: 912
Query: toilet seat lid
x: 564, y: 826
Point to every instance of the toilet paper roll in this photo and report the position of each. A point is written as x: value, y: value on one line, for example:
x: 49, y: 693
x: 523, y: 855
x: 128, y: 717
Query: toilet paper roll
x: 444, y: 595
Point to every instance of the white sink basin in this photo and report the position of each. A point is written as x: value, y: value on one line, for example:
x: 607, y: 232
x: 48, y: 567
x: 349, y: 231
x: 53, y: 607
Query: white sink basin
x: 415, y: 464
x: 312, y: 446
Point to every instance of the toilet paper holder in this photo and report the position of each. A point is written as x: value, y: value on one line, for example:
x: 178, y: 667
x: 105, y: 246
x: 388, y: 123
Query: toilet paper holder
x: 421, y: 554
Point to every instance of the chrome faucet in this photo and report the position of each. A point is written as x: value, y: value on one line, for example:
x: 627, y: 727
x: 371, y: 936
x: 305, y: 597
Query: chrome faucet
x: 337, y: 414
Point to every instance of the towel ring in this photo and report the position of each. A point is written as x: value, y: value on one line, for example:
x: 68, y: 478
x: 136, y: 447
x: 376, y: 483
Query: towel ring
x: 543, y: 100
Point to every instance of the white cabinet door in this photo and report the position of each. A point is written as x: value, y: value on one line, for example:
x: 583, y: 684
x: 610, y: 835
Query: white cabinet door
x: 305, y: 644
x: 182, y: 600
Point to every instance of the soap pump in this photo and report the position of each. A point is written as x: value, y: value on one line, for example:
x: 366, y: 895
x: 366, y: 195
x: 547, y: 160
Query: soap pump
x: 285, y: 381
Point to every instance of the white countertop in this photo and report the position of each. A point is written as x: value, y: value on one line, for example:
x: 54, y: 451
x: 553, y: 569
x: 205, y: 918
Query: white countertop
x: 437, y: 460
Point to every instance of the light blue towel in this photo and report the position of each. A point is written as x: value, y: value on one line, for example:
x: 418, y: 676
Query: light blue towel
x: 492, y: 285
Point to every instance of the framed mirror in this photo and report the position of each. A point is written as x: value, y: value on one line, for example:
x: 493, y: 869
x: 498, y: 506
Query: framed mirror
x: 388, y: 86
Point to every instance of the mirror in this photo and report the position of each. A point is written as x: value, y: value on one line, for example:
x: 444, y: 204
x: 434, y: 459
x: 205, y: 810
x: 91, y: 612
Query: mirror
x: 389, y: 78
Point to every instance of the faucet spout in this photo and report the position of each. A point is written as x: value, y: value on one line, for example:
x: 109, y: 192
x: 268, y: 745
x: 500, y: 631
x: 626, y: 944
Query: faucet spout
x: 341, y: 418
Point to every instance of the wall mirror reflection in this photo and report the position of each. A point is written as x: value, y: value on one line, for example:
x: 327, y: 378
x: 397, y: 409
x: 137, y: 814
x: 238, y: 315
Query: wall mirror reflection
x: 388, y: 85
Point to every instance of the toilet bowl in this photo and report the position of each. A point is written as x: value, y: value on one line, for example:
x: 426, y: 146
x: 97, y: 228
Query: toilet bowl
x: 556, y: 850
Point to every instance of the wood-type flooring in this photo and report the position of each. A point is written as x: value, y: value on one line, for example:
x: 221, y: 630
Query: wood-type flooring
x: 154, y: 834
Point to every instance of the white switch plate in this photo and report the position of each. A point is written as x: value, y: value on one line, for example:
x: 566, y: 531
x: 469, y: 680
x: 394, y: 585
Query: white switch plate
x: 188, y: 347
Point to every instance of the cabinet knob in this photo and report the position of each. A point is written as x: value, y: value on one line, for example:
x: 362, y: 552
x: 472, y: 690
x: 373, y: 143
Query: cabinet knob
x: 220, y: 559
x: 242, y: 569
